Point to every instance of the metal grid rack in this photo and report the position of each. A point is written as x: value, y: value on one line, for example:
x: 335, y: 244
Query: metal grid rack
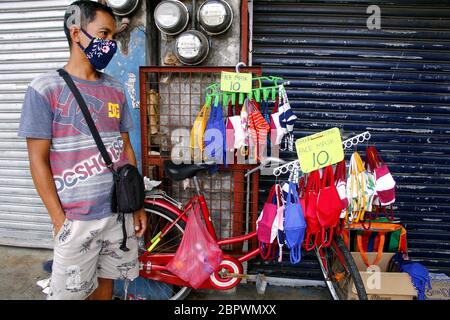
x: 171, y: 98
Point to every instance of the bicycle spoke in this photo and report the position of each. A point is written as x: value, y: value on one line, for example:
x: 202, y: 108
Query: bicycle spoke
x: 155, y: 229
x: 159, y: 219
x: 162, y: 246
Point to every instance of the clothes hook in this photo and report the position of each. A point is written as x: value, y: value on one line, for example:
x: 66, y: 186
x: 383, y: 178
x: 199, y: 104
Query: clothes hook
x: 239, y: 65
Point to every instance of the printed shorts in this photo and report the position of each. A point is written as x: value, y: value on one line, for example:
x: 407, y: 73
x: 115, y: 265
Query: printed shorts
x: 87, y: 250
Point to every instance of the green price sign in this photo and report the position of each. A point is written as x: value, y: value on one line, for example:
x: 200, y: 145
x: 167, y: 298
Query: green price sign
x: 320, y: 150
x: 236, y: 82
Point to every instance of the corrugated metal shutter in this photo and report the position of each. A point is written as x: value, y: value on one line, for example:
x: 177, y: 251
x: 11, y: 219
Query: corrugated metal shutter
x: 32, y: 41
x: 394, y: 82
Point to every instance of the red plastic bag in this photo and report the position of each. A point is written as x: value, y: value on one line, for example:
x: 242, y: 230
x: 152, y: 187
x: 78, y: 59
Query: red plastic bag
x: 198, y: 255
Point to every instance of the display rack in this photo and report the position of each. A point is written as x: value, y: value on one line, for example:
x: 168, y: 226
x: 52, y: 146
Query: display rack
x: 171, y: 98
x: 294, y: 166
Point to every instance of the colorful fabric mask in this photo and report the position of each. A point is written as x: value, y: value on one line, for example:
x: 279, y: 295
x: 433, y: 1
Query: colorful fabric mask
x: 99, y: 51
x: 287, y: 116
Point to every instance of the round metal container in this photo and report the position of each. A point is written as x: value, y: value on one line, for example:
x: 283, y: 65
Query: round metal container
x: 191, y: 47
x: 123, y: 7
x: 215, y: 16
x: 171, y: 17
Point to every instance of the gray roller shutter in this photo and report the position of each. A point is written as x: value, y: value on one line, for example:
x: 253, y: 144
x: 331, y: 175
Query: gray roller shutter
x: 394, y: 82
x: 32, y: 42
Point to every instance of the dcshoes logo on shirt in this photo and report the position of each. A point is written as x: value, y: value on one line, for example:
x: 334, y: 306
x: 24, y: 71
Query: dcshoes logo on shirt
x: 114, y: 110
x: 88, y: 168
x: 69, y: 113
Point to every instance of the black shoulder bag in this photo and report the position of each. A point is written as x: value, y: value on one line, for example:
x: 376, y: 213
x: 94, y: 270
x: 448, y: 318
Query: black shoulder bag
x: 128, y: 191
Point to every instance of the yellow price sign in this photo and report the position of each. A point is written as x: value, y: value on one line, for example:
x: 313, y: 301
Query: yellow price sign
x: 320, y: 150
x: 236, y: 82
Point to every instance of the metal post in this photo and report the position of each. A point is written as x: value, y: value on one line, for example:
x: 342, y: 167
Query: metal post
x: 197, y: 186
x: 247, y: 213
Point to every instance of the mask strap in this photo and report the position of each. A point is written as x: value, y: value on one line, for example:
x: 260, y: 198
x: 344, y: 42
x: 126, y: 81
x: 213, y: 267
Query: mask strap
x: 87, y: 34
x: 81, y: 47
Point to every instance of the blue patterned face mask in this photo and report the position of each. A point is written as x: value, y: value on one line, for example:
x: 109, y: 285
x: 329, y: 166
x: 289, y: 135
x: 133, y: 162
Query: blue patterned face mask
x: 99, y: 51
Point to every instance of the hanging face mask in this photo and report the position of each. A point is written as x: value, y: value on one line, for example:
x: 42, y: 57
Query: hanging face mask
x: 99, y: 51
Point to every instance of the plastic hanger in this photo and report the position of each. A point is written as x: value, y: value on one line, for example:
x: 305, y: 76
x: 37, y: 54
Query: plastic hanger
x: 213, y: 91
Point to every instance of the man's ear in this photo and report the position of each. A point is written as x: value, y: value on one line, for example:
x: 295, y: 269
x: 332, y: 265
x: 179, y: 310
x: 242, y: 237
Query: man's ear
x: 75, y: 34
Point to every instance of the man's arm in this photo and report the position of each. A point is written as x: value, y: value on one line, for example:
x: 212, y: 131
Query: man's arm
x: 140, y: 217
x: 38, y: 153
x: 128, y: 148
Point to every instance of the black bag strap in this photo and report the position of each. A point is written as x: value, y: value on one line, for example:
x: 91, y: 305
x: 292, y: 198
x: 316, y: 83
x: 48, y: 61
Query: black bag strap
x: 87, y: 116
x: 98, y: 140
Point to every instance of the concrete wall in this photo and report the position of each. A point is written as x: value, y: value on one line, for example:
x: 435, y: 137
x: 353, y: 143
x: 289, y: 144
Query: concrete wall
x: 133, y: 52
x: 224, y: 48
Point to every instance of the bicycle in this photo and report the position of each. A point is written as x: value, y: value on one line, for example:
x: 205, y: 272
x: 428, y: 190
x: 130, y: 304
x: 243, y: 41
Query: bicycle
x: 166, y: 224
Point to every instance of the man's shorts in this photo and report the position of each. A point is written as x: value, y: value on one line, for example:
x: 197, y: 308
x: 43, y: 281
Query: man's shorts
x: 87, y: 250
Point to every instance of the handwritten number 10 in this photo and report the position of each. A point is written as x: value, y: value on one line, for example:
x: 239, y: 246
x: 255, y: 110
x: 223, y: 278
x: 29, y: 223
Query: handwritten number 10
x: 321, y: 158
x: 235, y: 86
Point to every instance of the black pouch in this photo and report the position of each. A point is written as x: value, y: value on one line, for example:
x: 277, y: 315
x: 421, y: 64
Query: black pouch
x: 127, y: 195
x: 128, y: 190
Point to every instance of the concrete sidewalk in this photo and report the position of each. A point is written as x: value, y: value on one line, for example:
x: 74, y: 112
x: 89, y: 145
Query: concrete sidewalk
x: 22, y: 268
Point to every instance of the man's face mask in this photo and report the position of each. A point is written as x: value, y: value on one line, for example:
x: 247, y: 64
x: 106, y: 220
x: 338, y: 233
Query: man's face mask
x: 99, y: 51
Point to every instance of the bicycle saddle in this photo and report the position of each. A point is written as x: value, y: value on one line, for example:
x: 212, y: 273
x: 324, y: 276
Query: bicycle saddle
x: 179, y: 172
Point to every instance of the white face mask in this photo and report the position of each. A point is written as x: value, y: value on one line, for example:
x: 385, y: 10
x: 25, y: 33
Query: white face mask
x: 275, y: 119
x: 288, y: 117
x: 239, y: 136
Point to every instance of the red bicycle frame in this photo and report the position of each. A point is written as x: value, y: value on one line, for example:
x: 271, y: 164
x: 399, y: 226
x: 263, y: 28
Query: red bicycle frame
x: 154, y: 264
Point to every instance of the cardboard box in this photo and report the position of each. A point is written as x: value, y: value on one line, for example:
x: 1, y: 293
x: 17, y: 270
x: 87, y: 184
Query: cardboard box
x: 371, y: 256
x: 440, y: 287
x: 382, y: 285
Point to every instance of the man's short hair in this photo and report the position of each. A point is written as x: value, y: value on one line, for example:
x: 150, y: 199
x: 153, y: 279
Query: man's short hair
x: 81, y: 13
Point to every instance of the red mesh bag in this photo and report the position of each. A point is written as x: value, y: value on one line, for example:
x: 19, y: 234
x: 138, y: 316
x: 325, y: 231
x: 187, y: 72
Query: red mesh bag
x: 198, y: 255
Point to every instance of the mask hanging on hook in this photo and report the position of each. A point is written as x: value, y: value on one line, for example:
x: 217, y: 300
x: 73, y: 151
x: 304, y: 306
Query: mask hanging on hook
x: 284, y: 144
x: 216, y: 101
x: 290, y: 142
x: 225, y: 99
x: 291, y: 176
x: 277, y: 176
x: 296, y: 175
x: 233, y: 99
x: 258, y: 95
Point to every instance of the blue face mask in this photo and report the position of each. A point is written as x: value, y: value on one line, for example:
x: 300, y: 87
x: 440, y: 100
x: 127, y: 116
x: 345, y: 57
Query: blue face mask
x: 99, y: 51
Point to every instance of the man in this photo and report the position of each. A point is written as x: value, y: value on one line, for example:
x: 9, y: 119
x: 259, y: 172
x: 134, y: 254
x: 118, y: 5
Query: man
x: 67, y: 169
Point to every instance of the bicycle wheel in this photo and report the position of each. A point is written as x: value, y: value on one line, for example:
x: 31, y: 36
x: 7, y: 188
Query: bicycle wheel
x: 339, y: 270
x: 158, y: 218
